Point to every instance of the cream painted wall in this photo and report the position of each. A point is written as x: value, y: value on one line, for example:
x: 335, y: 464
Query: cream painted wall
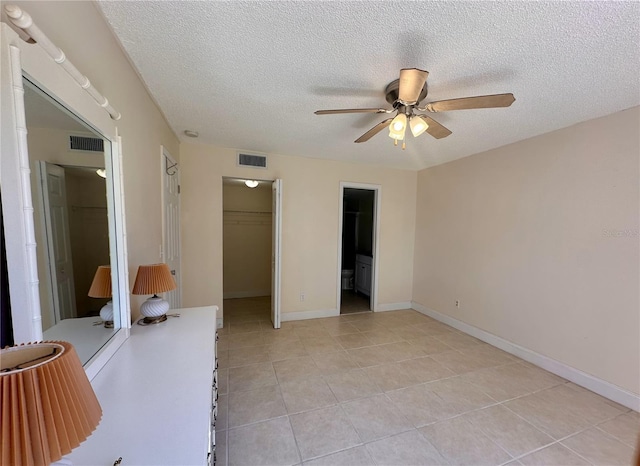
x: 539, y: 242
x: 246, y: 240
x: 311, y: 197
x: 79, y: 29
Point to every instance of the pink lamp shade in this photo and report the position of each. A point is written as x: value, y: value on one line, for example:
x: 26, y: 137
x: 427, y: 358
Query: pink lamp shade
x: 101, y: 285
x: 153, y: 279
x: 48, y: 405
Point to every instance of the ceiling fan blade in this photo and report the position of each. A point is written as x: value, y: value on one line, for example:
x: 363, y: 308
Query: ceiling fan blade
x: 373, y: 131
x: 352, y: 110
x: 481, y: 101
x: 411, y: 83
x: 435, y: 129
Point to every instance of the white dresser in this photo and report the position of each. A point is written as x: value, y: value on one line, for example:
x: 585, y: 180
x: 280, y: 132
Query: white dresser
x: 158, y: 395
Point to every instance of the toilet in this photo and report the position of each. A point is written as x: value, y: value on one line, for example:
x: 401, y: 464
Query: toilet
x: 347, y: 279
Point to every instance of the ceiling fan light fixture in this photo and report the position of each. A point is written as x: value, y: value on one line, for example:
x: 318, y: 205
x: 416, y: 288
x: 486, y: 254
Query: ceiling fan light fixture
x: 398, y: 126
x: 397, y: 135
x: 251, y: 183
x: 399, y: 123
x: 418, y: 126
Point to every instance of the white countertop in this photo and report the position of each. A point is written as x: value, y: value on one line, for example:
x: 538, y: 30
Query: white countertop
x: 85, y: 337
x: 155, y: 394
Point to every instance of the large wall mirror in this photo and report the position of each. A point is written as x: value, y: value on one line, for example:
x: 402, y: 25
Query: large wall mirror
x: 71, y: 212
x: 62, y: 206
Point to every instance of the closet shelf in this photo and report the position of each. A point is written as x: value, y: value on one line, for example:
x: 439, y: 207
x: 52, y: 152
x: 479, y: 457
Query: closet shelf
x: 246, y: 212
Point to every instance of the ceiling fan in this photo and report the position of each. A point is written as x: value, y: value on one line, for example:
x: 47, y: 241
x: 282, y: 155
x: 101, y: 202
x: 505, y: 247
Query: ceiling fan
x: 405, y: 95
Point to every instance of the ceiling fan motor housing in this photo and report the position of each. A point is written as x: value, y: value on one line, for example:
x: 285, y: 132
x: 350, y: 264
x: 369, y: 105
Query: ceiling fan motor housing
x: 392, y: 93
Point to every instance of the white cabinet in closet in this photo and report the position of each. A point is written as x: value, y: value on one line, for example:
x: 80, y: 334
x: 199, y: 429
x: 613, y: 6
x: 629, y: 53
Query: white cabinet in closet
x: 363, y: 274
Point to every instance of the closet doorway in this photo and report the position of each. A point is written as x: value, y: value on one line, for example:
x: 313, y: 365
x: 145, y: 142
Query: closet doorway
x: 251, y: 250
x: 357, y: 273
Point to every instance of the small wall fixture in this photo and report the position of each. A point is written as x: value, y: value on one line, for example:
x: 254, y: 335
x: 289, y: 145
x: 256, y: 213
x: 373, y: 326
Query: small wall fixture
x: 251, y: 183
x: 102, y: 172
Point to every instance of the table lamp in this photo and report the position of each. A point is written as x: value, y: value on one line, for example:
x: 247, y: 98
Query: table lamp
x: 101, y: 288
x: 153, y: 279
x: 48, y: 405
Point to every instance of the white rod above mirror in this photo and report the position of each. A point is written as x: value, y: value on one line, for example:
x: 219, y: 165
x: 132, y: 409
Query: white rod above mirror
x: 22, y: 20
x: 27, y: 62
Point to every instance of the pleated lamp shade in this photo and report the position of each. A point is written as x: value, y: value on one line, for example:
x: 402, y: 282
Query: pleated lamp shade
x: 101, y: 285
x: 153, y: 279
x: 48, y: 405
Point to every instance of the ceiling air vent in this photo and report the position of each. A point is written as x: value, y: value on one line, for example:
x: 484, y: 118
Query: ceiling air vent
x: 252, y: 160
x: 86, y: 144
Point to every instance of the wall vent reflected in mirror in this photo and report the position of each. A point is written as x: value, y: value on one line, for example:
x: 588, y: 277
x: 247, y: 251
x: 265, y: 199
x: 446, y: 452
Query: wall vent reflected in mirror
x: 86, y: 144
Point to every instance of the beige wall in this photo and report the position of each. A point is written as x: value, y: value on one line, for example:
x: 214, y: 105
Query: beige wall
x: 311, y: 192
x: 539, y: 242
x: 246, y: 240
x: 80, y: 30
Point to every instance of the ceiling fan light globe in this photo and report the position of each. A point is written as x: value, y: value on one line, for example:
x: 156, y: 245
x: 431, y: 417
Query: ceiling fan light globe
x: 418, y: 126
x: 398, y: 135
x: 399, y: 123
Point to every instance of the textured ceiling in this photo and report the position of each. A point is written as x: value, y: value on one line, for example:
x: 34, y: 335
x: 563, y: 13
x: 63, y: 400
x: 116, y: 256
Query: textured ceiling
x: 249, y: 75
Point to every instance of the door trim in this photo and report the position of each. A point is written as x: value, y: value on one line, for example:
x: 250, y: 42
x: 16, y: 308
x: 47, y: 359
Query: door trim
x: 377, y: 189
x: 165, y: 156
x: 276, y: 270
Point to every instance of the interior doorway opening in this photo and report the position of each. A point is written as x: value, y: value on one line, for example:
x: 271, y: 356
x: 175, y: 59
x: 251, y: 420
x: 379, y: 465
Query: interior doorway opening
x: 251, y: 252
x: 357, y: 248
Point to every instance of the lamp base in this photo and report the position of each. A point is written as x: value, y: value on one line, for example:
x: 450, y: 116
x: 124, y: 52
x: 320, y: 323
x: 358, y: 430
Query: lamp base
x: 154, y: 310
x: 106, y: 314
x: 152, y: 320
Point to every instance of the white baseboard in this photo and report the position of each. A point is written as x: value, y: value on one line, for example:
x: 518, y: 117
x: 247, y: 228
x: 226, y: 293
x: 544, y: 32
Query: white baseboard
x: 393, y: 307
x: 245, y: 294
x: 304, y: 315
x: 599, y: 386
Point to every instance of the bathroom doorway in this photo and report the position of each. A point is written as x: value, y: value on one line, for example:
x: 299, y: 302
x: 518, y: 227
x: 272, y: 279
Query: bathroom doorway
x: 357, y: 252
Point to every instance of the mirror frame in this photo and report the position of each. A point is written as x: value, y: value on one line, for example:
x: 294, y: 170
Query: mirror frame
x: 20, y: 58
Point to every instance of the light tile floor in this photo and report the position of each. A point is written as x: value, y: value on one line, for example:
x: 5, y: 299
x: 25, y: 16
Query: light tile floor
x: 398, y: 388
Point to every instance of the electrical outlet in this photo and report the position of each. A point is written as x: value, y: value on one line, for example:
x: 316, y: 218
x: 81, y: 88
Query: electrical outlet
x: 301, y: 297
x: 457, y: 303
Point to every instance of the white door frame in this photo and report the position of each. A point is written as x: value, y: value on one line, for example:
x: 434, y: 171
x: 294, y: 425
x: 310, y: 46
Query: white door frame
x: 377, y: 189
x: 276, y: 253
x: 165, y: 158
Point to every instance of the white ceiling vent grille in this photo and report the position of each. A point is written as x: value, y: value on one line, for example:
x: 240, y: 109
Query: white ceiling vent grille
x: 252, y: 160
x: 86, y: 144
